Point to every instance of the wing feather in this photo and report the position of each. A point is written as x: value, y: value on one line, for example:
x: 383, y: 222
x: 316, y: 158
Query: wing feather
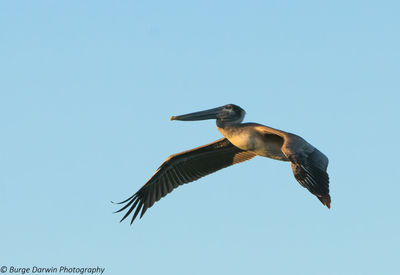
x: 182, y: 168
x: 309, y: 167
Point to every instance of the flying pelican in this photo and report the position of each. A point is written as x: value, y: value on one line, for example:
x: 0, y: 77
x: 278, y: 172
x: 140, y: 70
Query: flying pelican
x: 241, y: 142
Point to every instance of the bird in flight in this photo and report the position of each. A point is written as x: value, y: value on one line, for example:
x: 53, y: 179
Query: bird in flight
x: 241, y: 142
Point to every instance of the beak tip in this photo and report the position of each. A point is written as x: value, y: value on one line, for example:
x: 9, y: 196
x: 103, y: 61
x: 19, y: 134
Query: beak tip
x: 172, y: 118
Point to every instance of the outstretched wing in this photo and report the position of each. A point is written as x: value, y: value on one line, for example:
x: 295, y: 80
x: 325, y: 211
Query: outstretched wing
x: 309, y: 167
x: 183, y: 168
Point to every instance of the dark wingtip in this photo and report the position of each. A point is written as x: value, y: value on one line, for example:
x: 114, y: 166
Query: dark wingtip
x: 121, y: 202
x: 326, y: 201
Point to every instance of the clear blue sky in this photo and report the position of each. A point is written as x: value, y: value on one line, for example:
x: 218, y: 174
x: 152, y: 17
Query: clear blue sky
x: 86, y: 92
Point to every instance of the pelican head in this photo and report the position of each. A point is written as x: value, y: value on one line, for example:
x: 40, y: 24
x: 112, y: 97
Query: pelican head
x: 227, y: 114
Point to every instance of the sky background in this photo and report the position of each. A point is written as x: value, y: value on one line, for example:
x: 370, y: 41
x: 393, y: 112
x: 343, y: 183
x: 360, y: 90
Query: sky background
x: 86, y: 92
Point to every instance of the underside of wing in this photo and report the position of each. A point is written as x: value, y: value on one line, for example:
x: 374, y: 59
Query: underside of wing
x: 183, y: 168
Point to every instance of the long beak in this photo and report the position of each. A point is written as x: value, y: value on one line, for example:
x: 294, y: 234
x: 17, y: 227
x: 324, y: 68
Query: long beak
x: 207, y: 114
